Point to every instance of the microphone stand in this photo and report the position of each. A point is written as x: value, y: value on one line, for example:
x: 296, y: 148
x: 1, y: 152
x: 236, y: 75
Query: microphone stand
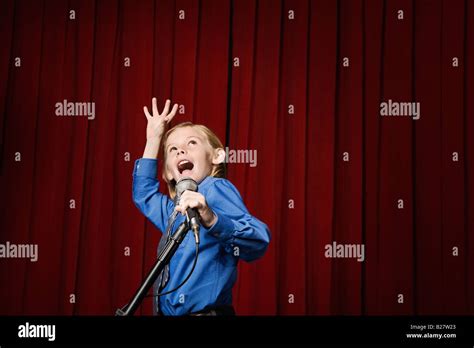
x: 163, y: 259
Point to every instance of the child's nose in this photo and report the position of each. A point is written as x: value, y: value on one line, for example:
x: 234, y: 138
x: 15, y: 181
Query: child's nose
x: 181, y: 151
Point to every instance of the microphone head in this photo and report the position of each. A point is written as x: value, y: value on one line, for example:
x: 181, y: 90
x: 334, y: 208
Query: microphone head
x: 185, y: 184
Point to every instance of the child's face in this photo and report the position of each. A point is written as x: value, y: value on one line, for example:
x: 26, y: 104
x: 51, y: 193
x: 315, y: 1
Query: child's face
x: 188, y: 154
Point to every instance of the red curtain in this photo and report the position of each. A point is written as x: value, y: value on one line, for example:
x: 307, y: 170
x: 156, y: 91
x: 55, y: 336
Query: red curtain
x: 301, y: 82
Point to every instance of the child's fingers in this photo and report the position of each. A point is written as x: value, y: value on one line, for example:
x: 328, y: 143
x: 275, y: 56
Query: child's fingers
x: 166, y: 108
x: 191, y: 199
x: 172, y: 113
x: 155, y: 107
x: 181, y: 209
x: 147, y: 114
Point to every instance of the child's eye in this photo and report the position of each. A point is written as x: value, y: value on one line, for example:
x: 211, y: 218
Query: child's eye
x: 192, y: 142
x: 172, y: 148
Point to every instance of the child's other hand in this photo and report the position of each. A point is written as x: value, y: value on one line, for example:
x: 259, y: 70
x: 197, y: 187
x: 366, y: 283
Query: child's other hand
x: 157, y: 123
x: 190, y: 199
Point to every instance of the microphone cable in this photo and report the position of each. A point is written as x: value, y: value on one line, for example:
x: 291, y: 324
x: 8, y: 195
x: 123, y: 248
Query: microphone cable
x: 185, y: 279
x: 180, y: 285
x: 168, y: 234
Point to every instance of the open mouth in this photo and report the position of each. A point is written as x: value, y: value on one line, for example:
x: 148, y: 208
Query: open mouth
x: 185, y: 165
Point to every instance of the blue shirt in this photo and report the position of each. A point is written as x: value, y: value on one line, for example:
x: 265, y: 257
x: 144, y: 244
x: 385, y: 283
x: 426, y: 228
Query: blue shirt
x: 236, y: 234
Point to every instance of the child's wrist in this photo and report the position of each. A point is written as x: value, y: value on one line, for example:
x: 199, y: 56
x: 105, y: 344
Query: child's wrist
x: 154, y: 140
x: 151, y: 148
x: 208, y: 218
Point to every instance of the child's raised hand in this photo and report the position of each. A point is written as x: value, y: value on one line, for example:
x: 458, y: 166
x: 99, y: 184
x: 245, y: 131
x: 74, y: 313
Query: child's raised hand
x: 157, y: 122
x: 191, y: 199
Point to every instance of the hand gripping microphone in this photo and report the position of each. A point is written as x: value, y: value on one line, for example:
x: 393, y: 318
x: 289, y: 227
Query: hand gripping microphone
x: 193, y: 217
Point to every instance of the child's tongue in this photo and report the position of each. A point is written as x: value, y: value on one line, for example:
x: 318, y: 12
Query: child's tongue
x: 186, y: 173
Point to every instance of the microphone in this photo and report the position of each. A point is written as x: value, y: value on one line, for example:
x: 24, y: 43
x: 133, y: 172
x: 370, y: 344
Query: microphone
x: 188, y: 184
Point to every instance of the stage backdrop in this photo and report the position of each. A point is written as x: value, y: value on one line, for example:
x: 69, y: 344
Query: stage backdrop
x: 301, y: 82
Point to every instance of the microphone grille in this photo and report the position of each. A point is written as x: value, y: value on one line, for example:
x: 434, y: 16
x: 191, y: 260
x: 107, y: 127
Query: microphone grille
x: 185, y: 184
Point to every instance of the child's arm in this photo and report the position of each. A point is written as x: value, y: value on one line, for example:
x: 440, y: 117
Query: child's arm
x: 145, y: 189
x: 239, y: 232
x: 146, y: 196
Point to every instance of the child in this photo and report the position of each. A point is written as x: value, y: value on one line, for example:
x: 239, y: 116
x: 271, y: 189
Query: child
x: 228, y: 232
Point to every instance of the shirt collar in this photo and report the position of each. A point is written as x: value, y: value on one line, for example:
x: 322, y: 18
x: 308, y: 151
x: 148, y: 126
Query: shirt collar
x: 205, y: 183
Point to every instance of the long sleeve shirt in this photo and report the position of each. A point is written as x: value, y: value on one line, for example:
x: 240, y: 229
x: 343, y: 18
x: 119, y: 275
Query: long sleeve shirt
x: 236, y: 235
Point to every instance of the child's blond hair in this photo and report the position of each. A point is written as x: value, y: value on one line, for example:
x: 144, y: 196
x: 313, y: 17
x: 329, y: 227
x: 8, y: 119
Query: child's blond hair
x: 218, y: 170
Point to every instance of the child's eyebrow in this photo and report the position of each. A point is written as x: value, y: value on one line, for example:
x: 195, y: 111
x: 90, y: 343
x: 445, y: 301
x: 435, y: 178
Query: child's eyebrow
x: 191, y: 136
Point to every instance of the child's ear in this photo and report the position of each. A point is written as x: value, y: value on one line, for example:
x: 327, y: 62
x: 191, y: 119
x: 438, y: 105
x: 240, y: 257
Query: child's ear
x: 219, y: 156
